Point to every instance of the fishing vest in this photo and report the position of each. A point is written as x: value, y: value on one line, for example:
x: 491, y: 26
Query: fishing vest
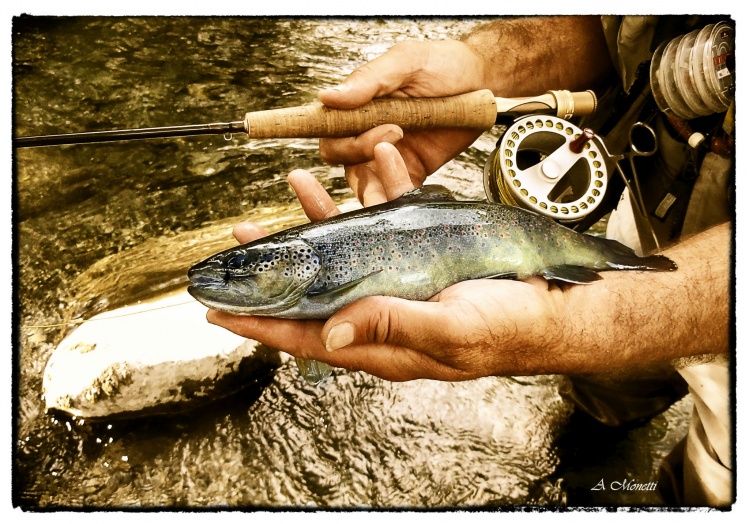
x: 686, y: 191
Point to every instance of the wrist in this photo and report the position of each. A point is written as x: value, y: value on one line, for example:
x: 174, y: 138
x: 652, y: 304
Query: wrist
x: 597, y: 330
x: 531, y: 55
x: 639, y: 319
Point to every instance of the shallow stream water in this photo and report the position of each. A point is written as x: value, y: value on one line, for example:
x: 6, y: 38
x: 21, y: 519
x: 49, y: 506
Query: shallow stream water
x: 355, y: 441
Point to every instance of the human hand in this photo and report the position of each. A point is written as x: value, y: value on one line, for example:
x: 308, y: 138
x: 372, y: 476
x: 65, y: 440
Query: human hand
x: 409, y: 69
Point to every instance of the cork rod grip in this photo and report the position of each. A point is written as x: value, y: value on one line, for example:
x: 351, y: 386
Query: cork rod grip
x: 476, y: 110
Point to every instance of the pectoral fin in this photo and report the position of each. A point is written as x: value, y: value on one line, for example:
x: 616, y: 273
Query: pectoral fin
x: 571, y: 274
x: 330, y: 292
x: 504, y: 276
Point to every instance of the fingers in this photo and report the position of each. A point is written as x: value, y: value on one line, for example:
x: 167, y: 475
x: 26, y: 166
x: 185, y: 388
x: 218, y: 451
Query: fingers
x: 382, y: 179
x: 356, y: 150
x: 392, y: 171
x: 365, y: 183
x: 438, y: 68
x: 315, y: 201
x: 392, y: 363
x: 299, y: 338
x: 247, y: 232
x: 388, y: 321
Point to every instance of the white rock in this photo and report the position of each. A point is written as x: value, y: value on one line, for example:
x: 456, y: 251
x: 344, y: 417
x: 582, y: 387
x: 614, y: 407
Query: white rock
x: 157, y: 356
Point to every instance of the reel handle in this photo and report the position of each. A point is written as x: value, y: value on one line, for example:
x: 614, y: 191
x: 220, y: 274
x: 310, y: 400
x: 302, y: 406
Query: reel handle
x: 476, y: 110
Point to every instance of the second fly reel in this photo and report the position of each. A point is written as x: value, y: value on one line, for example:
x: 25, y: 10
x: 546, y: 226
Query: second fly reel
x: 547, y: 165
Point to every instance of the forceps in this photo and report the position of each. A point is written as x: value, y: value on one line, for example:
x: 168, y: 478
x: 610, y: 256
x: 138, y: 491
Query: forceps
x: 642, y: 143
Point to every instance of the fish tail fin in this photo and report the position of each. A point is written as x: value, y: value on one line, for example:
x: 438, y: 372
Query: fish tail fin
x: 623, y: 257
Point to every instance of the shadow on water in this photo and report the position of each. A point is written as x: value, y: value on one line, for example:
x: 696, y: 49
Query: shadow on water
x: 355, y: 441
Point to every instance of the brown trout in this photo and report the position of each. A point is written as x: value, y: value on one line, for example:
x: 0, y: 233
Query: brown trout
x: 412, y: 247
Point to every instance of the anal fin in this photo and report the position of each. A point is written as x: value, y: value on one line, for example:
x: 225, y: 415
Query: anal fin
x: 571, y: 274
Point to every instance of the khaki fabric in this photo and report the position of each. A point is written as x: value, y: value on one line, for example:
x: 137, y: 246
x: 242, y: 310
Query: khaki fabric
x: 711, y: 187
x: 708, y: 454
x: 629, y: 39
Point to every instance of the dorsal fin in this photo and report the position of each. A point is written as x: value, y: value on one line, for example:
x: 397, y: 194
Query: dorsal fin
x: 428, y: 193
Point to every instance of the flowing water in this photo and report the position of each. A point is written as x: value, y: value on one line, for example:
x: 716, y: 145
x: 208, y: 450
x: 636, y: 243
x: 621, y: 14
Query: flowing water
x: 355, y: 441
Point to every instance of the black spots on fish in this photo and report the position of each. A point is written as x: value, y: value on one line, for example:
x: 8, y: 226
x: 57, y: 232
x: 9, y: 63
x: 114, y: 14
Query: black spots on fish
x: 305, y: 261
x: 293, y: 260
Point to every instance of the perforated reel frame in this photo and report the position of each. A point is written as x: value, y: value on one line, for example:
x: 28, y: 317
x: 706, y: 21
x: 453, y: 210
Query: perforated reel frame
x: 533, y: 167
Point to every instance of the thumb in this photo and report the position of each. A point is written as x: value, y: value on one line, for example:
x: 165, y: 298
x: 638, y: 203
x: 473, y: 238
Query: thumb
x: 382, y: 76
x: 388, y: 321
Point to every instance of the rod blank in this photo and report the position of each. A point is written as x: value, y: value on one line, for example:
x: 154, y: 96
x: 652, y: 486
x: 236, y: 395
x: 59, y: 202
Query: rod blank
x: 218, y: 128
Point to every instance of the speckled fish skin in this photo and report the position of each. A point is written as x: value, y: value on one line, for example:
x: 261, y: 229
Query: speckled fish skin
x: 412, y: 247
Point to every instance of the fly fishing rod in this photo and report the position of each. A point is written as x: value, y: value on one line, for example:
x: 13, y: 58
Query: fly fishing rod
x: 478, y: 110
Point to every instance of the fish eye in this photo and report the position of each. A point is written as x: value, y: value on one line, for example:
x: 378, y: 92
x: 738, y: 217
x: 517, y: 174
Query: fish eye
x: 235, y: 262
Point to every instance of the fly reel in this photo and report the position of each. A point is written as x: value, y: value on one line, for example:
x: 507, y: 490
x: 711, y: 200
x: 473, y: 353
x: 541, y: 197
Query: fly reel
x: 547, y: 165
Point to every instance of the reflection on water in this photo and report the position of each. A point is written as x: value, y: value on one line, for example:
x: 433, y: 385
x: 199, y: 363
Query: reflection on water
x: 354, y: 441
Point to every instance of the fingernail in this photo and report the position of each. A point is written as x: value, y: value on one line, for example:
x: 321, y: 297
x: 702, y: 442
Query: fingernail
x: 392, y: 136
x: 340, y: 336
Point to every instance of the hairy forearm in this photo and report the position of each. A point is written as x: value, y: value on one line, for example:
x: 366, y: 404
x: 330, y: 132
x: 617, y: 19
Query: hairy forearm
x: 528, y: 56
x: 634, y: 320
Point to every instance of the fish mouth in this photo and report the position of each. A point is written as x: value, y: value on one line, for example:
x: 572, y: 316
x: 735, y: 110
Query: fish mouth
x: 206, y: 276
x: 205, y: 294
x: 206, y: 281
x: 207, y: 284
x: 197, y: 291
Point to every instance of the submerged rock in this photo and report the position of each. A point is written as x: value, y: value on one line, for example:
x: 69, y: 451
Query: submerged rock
x: 156, y: 357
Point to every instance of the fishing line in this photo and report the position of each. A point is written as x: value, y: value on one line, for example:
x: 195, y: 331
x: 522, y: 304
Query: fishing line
x: 691, y: 75
x: 82, y: 321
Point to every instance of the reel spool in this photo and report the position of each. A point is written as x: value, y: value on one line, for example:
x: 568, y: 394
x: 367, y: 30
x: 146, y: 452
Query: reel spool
x: 547, y: 165
x: 692, y: 75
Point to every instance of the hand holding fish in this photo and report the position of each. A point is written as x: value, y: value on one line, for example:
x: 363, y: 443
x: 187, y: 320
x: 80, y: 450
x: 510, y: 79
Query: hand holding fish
x: 503, y: 327
x: 475, y: 327
x: 453, y: 336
